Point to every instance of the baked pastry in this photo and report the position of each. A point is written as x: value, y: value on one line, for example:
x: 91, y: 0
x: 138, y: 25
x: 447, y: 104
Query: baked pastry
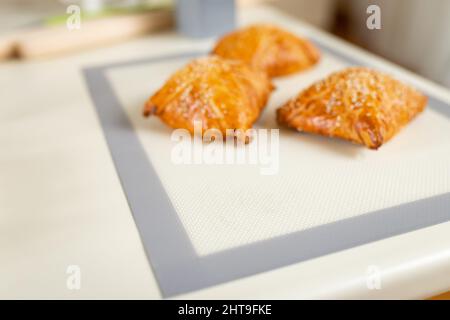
x: 221, y: 94
x: 357, y: 104
x: 268, y: 48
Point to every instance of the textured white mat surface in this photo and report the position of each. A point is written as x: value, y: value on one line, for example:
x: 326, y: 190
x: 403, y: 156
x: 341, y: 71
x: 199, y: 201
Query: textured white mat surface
x: 319, y: 181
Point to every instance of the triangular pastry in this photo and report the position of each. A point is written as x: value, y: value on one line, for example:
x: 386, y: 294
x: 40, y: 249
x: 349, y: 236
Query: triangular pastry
x: 220, y: 94
x: 357, y: 104
x: 268, y: 48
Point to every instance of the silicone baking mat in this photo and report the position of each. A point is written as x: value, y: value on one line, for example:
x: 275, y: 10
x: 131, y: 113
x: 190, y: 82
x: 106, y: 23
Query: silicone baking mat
x: 203, y: 225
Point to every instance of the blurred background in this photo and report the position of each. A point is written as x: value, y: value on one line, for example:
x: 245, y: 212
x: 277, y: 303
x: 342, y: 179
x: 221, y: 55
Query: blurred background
x: 414, y: 33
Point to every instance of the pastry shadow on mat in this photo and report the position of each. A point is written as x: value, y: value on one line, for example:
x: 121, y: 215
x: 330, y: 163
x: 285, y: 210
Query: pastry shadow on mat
x: 336, y: 146
x: 341, y: 148
x: 137, y: 121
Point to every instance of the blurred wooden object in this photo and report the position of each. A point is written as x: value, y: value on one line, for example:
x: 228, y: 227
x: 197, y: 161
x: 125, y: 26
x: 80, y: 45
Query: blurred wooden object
x: 7, y: 46
x: 50, y: 41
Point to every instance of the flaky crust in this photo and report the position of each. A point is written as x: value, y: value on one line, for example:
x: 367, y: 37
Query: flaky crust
x: 222, y: 94
x: 268, y: 48
x: 357, y: 104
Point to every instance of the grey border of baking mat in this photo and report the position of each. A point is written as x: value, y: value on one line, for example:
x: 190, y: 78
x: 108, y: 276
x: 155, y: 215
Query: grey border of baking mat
x: 177, y: 267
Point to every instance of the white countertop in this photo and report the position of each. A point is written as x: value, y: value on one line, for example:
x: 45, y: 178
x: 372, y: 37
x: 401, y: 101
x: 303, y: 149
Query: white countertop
x: 61, y: 202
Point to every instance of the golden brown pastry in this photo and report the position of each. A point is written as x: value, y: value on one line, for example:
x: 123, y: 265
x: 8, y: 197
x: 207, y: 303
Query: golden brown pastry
x: 222, y: 94
x: 357, y: 104
x: 268, y: 48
